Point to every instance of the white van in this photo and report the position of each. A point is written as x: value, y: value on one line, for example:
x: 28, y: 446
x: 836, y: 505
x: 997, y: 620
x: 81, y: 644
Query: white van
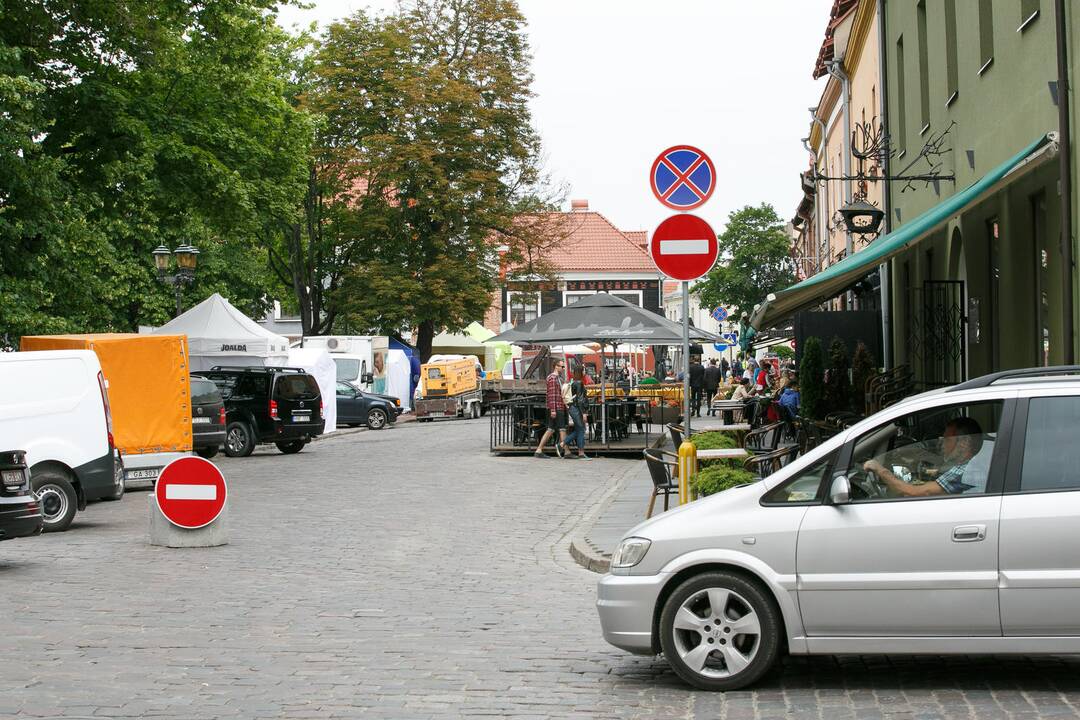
x: 360, y: 359
x: 54, y: 405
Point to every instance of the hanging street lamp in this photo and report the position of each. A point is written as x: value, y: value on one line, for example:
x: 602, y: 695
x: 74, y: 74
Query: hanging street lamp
x: 186, y: 260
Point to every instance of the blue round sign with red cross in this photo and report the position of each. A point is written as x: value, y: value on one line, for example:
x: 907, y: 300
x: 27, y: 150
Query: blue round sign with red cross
x: 683, y: 177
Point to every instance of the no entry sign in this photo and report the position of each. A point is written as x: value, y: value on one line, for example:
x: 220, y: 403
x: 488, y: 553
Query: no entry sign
x: 190, y: 492
x: 684, y: 247
x: 682, y: 177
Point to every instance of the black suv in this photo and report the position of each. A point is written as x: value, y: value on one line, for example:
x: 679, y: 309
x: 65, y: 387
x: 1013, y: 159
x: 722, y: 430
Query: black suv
x: 20, y: 511
x: 207, y: 417
x: 277, y: 405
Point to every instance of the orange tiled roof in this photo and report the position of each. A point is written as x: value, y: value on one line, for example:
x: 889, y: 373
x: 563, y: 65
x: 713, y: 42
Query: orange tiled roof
x: 840, y: 10
x: 639, y: 237
x: 593, y: 243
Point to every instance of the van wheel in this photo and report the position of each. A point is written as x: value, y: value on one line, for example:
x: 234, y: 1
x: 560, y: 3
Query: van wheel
x: 376, y: 419
x: 239, y: 440
x: 118, y: 480
x: 58, y: 499
x: 720, y: 631
x: 290, y: 448
x: 206, y: 452
x: 475, y: 411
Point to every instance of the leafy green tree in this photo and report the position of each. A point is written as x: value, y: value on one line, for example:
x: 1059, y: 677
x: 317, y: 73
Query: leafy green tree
x: 812, y: 380
x: 427, y: 111
x: 755, y: 260
x: 139, y: 123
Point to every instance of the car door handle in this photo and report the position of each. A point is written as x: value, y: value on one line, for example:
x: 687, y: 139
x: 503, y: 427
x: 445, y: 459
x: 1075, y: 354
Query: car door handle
x: 969, y: 533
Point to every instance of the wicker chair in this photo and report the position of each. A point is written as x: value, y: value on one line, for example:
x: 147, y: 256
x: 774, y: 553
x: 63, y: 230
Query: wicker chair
x: 664, y: 475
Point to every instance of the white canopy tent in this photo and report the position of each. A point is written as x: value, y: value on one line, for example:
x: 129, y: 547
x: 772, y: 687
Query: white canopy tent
x: 397, y: 377
x: 317, y: 363
x: 219, y: 334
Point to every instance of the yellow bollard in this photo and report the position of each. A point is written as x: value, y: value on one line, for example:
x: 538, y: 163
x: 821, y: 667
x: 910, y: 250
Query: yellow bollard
x: 687, y: 469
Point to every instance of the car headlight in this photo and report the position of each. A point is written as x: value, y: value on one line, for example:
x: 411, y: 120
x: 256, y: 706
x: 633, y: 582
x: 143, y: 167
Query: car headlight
x: 630, y: 552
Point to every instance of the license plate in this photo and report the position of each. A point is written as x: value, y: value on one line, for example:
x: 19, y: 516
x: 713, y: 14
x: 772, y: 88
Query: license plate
x: 301, y: 418
x: 12, y: 478
x: 149, y: 474
x: 437, y: 414
x: 201, y: 421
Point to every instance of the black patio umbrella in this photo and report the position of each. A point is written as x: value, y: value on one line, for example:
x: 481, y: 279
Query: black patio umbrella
x: 604, y: 319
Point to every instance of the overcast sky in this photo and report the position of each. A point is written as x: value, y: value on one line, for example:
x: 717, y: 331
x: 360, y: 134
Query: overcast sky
x: 617, y: 81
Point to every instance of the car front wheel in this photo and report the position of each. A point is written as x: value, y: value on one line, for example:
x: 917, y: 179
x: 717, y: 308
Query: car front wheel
x: 239, y: 440
x: 57, y: 498
x: 376, y: 419
x: 719, y: 631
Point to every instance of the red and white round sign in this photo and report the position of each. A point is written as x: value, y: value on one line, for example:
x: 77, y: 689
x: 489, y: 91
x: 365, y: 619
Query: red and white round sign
x: 684, y: 247
x: 190, y: 492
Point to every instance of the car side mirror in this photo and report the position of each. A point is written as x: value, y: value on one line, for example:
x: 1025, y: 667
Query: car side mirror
x: 840, y: 491
x: 367, y: 378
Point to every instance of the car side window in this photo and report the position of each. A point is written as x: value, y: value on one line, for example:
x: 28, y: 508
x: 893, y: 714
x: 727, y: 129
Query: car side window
x: 805, y: 487
x: 1051, y: 452
x: 939, y: 452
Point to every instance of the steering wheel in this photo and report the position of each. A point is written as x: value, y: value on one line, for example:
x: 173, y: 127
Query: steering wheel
x: 868, y: 483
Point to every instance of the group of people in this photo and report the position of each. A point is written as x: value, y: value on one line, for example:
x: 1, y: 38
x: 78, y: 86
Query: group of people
x: 753, y: 381
x: 567, y: 406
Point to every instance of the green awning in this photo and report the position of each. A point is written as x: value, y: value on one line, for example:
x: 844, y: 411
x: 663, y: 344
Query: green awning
x: 834, y: 279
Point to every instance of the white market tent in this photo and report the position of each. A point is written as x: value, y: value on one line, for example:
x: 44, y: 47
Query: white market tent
x: 317, y: 363
x: 219, y: 334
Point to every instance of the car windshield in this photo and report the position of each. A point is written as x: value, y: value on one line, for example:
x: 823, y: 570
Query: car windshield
x: 297, y: 387
x: 347, y: 368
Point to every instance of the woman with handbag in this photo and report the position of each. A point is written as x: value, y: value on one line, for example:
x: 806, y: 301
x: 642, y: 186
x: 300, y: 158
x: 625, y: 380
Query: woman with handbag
x: 578, y: 405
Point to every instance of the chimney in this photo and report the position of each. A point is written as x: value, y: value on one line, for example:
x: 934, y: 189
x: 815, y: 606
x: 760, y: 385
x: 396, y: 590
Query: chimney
x: 579, y: 206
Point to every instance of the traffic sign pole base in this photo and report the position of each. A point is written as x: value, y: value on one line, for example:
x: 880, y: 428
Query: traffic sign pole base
x: 164, y: 534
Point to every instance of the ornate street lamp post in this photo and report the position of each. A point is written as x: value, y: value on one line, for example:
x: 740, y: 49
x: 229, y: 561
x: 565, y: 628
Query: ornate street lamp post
x: 186, y: 259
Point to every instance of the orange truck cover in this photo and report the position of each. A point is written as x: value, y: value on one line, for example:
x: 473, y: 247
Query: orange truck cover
x: 149, y: 388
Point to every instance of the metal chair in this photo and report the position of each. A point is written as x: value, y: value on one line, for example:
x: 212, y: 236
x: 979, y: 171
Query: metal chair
x: 766, y: 464
x: 664, y: 477
x: 763, y: 439
x: 676, y: 433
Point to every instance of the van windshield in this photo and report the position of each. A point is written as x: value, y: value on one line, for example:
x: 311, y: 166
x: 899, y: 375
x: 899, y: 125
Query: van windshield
x: 347, y: 368
x: 297, y: 387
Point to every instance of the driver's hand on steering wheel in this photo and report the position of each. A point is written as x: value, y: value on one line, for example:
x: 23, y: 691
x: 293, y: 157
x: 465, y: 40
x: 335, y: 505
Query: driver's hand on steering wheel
x: 873, y: 466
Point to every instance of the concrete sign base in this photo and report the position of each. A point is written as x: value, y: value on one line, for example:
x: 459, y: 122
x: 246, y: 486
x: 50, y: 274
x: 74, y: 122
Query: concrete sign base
x: 164, y: 534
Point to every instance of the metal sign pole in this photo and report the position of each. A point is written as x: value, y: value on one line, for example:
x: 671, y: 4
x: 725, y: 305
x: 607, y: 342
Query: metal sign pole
x: 686, y: 356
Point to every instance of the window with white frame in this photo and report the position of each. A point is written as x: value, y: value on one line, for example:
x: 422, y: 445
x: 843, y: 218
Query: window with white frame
x: 569, y: 298
x: 521, y: 307
x: 634, y: 298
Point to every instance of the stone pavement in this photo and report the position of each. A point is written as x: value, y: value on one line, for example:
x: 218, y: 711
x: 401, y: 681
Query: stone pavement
x: 403, y: 573
x: 598, y: 537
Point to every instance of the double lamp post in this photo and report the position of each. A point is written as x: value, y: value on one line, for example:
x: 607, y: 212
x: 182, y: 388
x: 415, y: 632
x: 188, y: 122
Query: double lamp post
x: 186, y: 258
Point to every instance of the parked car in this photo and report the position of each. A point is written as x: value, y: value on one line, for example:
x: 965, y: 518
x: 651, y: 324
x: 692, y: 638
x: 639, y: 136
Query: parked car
x: 356, y: 407
x: 54, y: 406
x: 207, y: 417
x: 277, y: 405
x: 20, y: 511
x: 945, y: 524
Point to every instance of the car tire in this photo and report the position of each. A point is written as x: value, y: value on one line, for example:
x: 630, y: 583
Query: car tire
x: 475, y: 411
x: 57, y: 498
x: 716, y: 656
x: 376, y: 419
x: 292, y: 447
x: 119, y: 478
x: 207, y: 452
x: 239, y: 439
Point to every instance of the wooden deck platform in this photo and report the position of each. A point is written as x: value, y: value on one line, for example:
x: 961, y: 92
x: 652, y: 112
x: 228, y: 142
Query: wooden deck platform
x: 628, y: 447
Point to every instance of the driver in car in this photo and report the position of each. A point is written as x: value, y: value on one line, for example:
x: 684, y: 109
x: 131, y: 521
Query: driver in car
x: 961, y: 441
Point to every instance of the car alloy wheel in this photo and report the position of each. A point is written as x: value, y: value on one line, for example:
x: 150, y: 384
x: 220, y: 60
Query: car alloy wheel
x: 720, y: 631
x: 58, y: 499
x: 376, y: 419
x: 239, y: 441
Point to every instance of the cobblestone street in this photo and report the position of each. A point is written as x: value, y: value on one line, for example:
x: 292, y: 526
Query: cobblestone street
x: 403, y: 574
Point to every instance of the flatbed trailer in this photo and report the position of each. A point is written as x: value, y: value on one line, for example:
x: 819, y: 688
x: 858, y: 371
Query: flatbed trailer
x: 466, y: 404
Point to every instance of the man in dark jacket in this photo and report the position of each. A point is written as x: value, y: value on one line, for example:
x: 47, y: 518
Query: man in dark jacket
x: 725, y: 368
x: 712, y: 381
x: 697, y: 384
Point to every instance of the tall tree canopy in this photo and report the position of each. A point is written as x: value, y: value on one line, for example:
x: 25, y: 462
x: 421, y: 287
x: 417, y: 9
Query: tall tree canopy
x: 125, y: 124
x: 755, y: 260
x: 428, y: 151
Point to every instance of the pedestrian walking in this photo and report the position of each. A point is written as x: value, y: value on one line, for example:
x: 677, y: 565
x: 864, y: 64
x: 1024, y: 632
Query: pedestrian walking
x: 737, y: 368
x: 579, y: 408
x: 712, y: 382
x: 556, y: 408
x: 725, y: 369
x: 697, y: 384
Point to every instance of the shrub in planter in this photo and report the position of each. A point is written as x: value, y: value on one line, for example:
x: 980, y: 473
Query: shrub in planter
x: 716, y: 478
x: 812, y: 380
x: 714, y: 440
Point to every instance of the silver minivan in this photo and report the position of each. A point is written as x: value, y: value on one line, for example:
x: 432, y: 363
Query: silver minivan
x: 946, y: 524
